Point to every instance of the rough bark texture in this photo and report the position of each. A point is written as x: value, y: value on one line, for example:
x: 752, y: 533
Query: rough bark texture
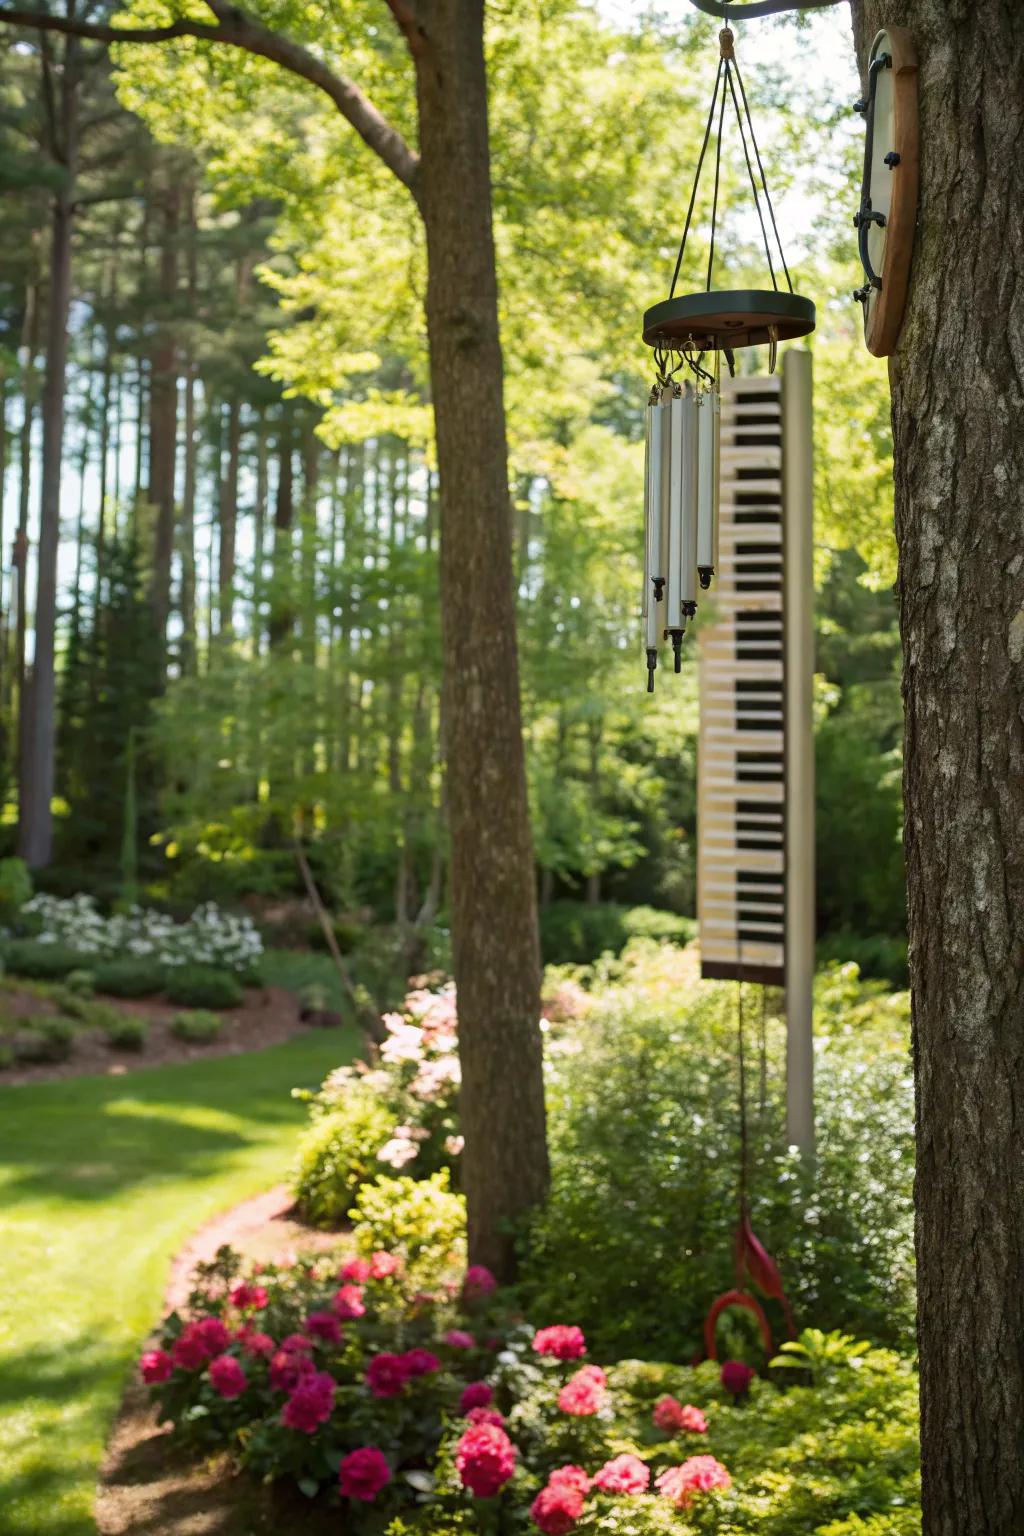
x: 163, y: 417
x: 35, y: 822
x: 494, y: 925
x: 958, y: 402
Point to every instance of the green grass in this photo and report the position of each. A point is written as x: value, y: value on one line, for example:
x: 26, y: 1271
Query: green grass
x: 101, y: 1180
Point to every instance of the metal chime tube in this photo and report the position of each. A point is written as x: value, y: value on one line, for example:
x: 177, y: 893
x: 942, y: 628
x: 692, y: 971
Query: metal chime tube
x: 707, y: 494
x: 654, y: 542
x: 691, y: 484
x: 674, y: 620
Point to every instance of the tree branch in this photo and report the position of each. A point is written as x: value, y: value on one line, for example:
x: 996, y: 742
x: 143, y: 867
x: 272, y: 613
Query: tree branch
x: 407, y: 19
x: 238, y: 30
x: 728, y: 12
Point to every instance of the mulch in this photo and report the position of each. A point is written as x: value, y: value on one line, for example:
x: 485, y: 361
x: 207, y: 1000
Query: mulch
x: 269, y: 1016
x: 148, y: 1486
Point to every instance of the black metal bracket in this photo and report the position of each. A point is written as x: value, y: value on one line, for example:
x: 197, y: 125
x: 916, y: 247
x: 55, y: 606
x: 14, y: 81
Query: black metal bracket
x: 866, y: 215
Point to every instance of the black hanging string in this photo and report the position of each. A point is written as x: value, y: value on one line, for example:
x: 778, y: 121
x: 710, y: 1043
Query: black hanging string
x: 753, y: 183
x: 726, y: 66
x: 696, y: 179
x: 764, y: 179
x: 718, y: 174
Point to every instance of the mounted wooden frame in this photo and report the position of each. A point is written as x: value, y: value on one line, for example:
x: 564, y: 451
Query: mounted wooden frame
x: 887, y: 218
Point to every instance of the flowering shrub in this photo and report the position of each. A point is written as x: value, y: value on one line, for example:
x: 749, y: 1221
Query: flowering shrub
x: 435, y: 1412
x: 209, y: 937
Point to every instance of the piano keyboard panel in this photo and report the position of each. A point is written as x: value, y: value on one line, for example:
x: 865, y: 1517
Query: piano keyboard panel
x: 741, y: 877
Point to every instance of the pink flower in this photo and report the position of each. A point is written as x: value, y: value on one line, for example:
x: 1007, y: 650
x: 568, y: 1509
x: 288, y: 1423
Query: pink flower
x: 397, y: 1152
x: 287, y: 1367
x: 485, y: 1416
x: 479, y: 1282
x: 383, y: 1265
x: 156, y: 1365
x: 227, y: 1377
x: 310, y: 1404
x: 584, y: 1393
x: 249, y: 1297
x: 562, y: 1341
x: 405, y: 1044
x: 323, y: 1325
x: 363, y: 1473
x: 485, y: 1458
x: 297, y: 1344
x: 736, y: 1377
x: 189, y: 1350
x: 357, y: 1270
x: 672, y: 1417
x: 573, y: 1477
x: 556, y: 1509
x: 698, y: 1475
x: 215, y: 1335
x: 623, y: 1474
x: 348, y: 1301
x: 477, y: 1395
x: 458, y: 1338
x: 454, y: 1145
x: 387, y: 1375
x: 420, y: 1362
x: 259, y: 1345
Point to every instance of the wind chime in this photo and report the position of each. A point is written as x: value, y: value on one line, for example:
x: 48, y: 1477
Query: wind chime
x: 682, y: 458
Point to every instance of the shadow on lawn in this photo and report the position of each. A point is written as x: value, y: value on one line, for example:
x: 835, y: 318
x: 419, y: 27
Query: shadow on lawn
x: 87, y: 1139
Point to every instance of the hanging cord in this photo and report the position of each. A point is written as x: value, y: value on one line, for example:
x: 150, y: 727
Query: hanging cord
x: 753, y: 181
x: 696, y: 179
x: 763, y: 1086
x: 743, y: 1099
x: 723, y: 65
x: 760, y: 167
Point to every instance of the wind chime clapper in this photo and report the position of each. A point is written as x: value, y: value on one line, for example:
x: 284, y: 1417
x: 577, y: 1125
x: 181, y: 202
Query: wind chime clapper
x: 681, y: 492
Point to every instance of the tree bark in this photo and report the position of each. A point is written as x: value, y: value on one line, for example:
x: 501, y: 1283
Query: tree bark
x: 187, y: 537
x: 35, y: 822
x: 958, y: 399
x: 228, y: 524
x: 163, y: 416
x: 494, y: 919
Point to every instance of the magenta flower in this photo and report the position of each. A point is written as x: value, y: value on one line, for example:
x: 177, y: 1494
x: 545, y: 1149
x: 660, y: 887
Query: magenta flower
x: 387, y: 1375
x: 584, y: 1393
x: 363, y: 1473
x: 485, y: 1459
x: 420, y: 1362
x: 156, y: 1365
x: 227, y: 1377
x: 324, y: 1326
x: 623, y: 1474
x: 736, y: 1378
x: 311, y: 1403
x: 348, y: 1302
x: 477, y: 1395
x: 562, y: 1341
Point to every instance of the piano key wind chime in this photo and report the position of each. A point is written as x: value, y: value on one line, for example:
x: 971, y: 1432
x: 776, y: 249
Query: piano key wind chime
x: 682, y: 474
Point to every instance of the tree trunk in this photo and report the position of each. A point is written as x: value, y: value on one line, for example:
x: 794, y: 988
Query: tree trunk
x: 958, y: 401
x: 35, y: 823
x: 19, y: 555
x: 187, y: 537
x: 494, y: 919
x: 229, y: 526
x: 163, y: 418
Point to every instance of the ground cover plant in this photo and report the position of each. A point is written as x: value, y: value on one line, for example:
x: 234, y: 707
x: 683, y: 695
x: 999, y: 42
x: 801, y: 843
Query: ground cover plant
x: 113, y: 1174
x: 225, y: 941
x: 442, y: 1409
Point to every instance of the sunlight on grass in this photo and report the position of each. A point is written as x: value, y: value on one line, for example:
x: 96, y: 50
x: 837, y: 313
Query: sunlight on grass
x: 99, y: 1185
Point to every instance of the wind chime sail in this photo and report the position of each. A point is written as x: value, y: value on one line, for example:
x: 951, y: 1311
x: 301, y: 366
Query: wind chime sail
x: 682, y: 475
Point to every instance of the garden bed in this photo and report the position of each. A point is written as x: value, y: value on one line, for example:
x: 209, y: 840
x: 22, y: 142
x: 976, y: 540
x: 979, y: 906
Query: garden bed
x: 269, y: 1016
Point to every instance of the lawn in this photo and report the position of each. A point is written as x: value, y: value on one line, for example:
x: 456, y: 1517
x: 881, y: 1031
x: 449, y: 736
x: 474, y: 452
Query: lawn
x: 101, y: 1180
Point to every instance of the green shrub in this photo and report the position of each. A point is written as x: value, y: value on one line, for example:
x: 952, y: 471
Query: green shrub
x: 198, y: 1027
x: 136, y: 977
x: 6, y: 1057
x: 15, y: 888
x: 80, y: 983
x: 40, y: 961
x: 338, y: 1153
x: 127, y: 1033
x: 420, y: 1219
x: 45, y: 1040
x: 637, y: 1236
x: 878, y: 956
x: 202, y: 986
x: 578, y: 932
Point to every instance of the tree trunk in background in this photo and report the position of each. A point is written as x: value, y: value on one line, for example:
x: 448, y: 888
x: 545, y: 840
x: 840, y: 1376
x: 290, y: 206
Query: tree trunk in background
x: 163, y: 416
x: 494, y: 918
x: 281, y: 615
x: 229, y: 527
x: 958, y: 402
x: 19, y: 556
x: 35, y: 823
x: 187, y: 533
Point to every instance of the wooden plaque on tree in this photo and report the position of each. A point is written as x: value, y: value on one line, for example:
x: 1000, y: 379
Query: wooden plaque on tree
x: 887, y: 218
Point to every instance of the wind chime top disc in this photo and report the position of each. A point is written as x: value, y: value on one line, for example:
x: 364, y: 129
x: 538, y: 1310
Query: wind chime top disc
x: 744, y: 317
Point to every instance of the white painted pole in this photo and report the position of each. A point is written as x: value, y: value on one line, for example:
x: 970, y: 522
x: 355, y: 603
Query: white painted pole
x: 798, y: 608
